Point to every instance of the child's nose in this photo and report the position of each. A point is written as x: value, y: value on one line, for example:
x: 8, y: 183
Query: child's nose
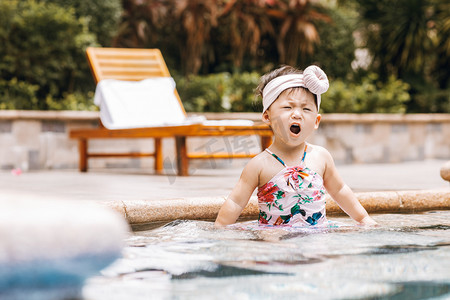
x: 296, y: 114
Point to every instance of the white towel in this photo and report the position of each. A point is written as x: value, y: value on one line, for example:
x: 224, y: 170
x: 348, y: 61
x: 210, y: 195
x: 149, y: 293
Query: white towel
x: 147, y: 103
x: 134, y: 104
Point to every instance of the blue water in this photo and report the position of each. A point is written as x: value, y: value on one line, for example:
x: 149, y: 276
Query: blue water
x: 53, y: 279
x: 407, y: 257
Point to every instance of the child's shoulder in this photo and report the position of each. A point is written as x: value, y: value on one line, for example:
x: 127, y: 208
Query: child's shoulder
x: 257, y: 163
x: 318, y: 150
x: 253, y: 169
x: 319, y: 154
x: 259, y: 160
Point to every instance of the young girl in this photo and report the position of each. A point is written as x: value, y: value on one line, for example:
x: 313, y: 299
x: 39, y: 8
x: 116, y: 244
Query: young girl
x: 292, y: 175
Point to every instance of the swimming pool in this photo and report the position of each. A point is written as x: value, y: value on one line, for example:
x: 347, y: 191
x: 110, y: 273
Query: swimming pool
x: 407, y: 257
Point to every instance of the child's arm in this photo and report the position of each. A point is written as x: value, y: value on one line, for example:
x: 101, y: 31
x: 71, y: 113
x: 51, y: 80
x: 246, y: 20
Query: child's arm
x: 239, y: 197
x: 342, y: 193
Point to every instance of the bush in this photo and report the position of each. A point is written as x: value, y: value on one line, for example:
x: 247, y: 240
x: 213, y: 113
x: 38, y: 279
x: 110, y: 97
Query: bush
x: 75, y: 101
x: 242, y: 92
x: 219, y: 92
x: 203, y: 93
x: 15, y: 94
x: 43, y: 46
x: 368, y: 96
x: 224, y: 92
x: 428, y: 98
x: 102, y: 15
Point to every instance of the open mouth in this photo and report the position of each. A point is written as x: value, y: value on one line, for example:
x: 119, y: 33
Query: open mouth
x: 295, y: 128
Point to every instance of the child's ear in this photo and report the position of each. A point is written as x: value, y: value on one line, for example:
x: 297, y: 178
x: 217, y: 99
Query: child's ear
x: 265, y: 117
x: 318, y: 118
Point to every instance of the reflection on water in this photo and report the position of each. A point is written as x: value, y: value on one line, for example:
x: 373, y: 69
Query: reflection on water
x: 407, y: 257
x: 417, y: 291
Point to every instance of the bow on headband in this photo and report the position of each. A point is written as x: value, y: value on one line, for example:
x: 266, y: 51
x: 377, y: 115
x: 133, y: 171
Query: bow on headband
x: 313, y: 78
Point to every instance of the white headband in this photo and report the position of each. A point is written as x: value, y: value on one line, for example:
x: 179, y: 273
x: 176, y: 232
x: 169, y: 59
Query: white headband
x: 313, y: 78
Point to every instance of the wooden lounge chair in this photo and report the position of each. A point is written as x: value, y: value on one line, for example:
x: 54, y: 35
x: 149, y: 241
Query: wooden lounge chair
x: 139, y: 64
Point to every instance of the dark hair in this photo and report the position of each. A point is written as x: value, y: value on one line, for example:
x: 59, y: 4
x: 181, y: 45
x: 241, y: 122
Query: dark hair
x: 283, y: 70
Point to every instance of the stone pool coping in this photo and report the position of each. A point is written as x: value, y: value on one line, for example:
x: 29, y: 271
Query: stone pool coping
x: 148, y: 211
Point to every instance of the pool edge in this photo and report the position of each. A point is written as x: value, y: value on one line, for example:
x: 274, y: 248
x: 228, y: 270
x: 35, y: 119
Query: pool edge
x: 147, y: 211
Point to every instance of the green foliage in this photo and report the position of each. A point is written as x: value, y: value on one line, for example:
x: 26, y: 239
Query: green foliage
x: 441, y: 68
x: 399, y: 34
x: 203, y: 93
x: 43, y: 64
x: 426, y: 97
x: 242, y: 92
x: 368, y: 96
x: 75, y: 101
x: 103, y: 16
x: 235, y: 93
x: 336, y: 50
x: 43, y: 46
x: 219, y: 92
x: 432, y: 100
x: 409, y: 39
x: 15, y: 94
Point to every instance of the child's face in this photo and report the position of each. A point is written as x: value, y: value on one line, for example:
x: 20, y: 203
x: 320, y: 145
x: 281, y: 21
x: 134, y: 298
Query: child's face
x: 293, y: 116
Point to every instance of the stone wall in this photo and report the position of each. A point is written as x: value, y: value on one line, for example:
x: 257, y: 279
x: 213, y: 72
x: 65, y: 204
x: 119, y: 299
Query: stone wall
x: 34, y: 140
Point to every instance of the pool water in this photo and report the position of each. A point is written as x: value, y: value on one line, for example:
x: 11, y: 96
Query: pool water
x: 406, y: 257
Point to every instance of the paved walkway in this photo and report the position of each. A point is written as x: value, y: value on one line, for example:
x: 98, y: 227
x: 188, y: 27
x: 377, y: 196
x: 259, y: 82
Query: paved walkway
x: 109, y: 185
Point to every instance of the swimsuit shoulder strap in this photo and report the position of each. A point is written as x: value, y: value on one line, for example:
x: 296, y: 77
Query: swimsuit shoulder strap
x: 304, y: 152
x: 280, y: 160
x: 274, y: 155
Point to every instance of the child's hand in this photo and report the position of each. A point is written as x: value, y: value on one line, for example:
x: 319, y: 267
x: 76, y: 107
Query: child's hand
x: 368, y: 221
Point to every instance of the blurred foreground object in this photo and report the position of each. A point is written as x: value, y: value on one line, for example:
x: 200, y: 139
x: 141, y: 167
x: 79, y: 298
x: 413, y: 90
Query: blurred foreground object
x: 49, y: 247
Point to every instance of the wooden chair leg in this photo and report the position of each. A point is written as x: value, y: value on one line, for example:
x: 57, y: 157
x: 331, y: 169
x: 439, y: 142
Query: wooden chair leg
x: 159, y: 167
x: 266, y: 141
x: 182, y: 158
x: 82, y: 151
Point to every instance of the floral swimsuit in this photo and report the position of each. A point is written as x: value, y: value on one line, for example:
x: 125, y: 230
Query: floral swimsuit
x: 294, y: 196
